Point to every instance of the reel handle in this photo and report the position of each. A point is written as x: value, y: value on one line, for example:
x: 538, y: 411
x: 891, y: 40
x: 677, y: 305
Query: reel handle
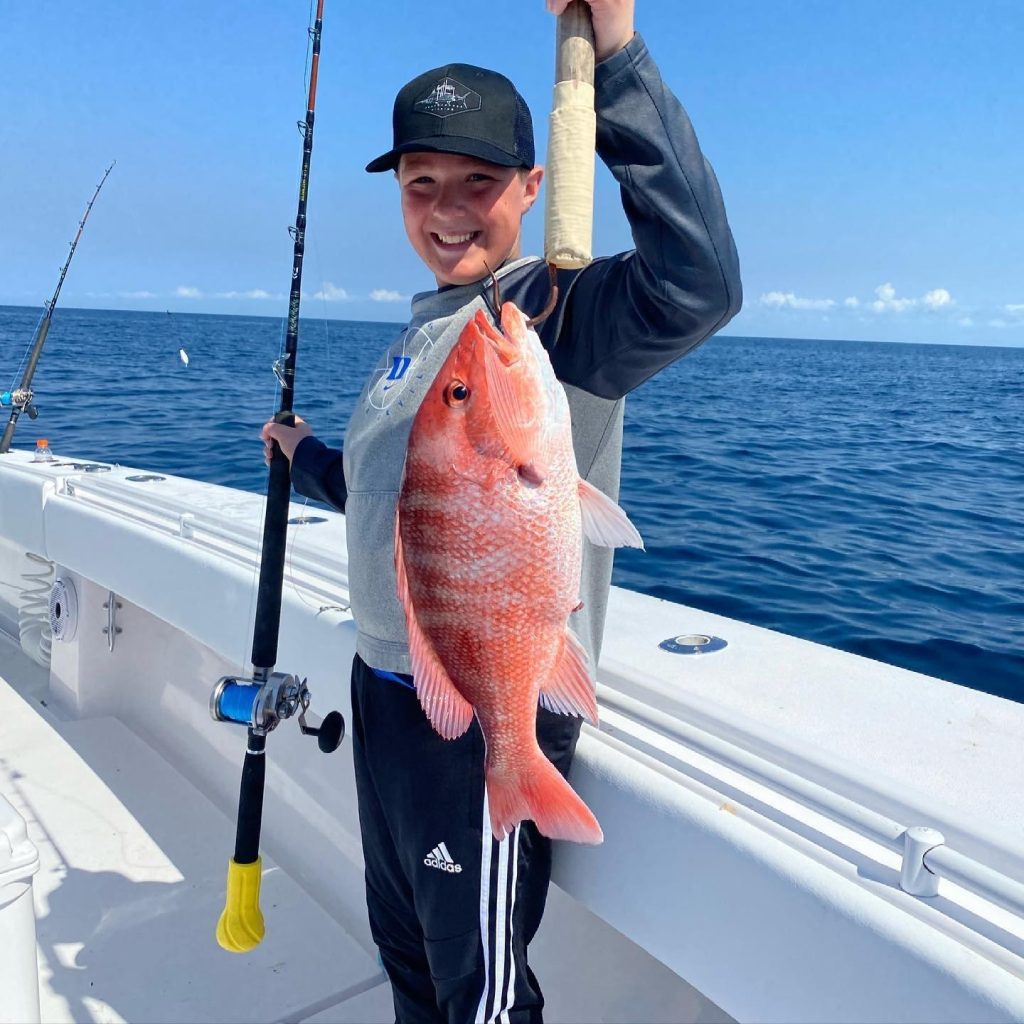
x: 329, y: 733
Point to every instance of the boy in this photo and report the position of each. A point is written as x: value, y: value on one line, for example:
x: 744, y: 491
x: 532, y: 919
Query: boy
x: 451, y: 909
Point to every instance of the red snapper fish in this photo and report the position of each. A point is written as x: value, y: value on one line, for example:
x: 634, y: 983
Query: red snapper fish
x: 488, y: 548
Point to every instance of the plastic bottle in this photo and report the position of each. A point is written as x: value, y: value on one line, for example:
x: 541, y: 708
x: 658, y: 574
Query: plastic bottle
x: 43, y: 453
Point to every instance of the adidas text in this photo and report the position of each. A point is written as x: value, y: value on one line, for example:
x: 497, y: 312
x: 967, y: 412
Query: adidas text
x: 433, y: 862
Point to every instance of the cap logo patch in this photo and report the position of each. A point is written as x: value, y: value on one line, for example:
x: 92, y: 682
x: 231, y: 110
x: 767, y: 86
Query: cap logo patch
x: 449, y: 97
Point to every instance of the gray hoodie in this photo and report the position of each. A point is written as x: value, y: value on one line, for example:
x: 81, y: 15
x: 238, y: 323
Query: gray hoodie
x: 617, y: 322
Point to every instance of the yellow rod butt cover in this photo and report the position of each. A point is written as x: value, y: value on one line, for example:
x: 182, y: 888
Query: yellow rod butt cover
x: 240, y: 927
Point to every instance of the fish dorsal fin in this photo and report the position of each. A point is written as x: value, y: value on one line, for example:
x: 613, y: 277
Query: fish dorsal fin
x: 449, y: 712
x: 569, y: 691
x: 604, y: 522
x: 517, y: 426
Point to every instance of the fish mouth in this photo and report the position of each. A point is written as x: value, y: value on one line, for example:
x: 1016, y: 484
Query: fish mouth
x: 504, y: 347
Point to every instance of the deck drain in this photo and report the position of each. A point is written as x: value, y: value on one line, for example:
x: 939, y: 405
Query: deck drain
x: 693, y: 643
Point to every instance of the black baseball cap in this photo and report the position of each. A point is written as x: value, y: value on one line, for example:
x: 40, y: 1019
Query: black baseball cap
x: 460, y: 108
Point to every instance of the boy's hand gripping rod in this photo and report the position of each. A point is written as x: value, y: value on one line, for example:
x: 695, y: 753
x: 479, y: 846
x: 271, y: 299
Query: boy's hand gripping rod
x: 267, y: 698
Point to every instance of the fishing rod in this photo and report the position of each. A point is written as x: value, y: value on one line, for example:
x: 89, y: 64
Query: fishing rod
x: 21, y: 398
x: 262, y: 701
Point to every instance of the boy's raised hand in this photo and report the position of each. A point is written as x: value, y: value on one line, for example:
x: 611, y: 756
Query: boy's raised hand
x: 287, y: 437
x: 613, y: 23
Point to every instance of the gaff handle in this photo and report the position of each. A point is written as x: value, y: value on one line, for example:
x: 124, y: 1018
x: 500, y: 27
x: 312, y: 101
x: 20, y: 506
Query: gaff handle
x: 241, y: 927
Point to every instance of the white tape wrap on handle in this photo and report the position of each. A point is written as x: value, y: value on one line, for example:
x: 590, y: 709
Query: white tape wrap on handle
x: 569, y: 203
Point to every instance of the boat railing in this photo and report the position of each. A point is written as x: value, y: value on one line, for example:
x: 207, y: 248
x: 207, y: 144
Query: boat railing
x: 925, y: 857
x: 234, y: 538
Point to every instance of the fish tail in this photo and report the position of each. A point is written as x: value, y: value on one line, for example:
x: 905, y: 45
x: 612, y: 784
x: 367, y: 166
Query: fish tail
x: 539, y: 792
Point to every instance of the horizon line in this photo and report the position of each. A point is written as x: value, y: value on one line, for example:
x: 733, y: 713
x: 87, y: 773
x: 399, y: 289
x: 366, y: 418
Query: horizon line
x: 399, y: 323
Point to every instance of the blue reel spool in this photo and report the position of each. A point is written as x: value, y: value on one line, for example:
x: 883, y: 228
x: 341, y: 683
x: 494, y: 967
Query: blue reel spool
x: 235, y: 702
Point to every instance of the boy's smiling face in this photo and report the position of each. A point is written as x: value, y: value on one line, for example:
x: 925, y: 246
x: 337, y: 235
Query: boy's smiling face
x: 461, y: 212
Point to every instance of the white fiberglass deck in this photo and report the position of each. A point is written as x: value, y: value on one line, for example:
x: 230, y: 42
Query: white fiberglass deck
x: 132, y: 881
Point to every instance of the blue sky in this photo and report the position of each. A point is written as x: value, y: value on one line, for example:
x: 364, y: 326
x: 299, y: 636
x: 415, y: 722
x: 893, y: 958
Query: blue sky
x: 871, y: 154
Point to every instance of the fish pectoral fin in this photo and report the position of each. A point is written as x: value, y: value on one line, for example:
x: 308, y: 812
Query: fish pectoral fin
x: 448, y: 711
x: 604, y: 522
x: 570, y: 691
x: 517, y: 426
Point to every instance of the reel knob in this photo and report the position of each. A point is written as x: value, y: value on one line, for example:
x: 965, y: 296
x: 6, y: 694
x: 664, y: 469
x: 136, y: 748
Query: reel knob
x: 329, y: 733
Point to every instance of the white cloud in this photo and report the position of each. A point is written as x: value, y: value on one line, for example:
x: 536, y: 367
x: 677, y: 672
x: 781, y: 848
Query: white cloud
x: 387, y: 295
x: 252, y: 293
x: 887, y: 301
x: 935, y: 302
x: 188, y: 292
x: 787, y: 300
x: 331, y: 293
x: 137, y: 295
x: 937, y: 298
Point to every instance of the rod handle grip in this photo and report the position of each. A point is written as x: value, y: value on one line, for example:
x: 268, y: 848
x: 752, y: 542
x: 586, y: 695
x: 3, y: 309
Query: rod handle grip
x: 572, y: 131
x: 240, y: 927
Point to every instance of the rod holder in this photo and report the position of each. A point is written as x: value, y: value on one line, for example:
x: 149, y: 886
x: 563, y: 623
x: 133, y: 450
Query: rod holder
x: 915, y: 877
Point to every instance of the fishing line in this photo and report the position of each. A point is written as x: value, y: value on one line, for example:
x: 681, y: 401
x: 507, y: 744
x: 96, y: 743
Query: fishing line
x: 290, y: 577
x: 309, y: 50
x: 28, y: 348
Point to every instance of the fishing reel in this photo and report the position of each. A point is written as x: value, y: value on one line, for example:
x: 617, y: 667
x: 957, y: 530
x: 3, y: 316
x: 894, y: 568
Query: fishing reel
x: 21, y: 398
x: 261, y: 706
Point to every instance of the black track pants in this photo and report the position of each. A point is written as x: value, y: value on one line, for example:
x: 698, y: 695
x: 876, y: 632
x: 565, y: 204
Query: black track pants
x: 451, y: 909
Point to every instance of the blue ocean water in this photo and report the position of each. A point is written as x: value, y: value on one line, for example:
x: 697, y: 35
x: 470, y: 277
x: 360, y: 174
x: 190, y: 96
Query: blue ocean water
x: 866, y: 496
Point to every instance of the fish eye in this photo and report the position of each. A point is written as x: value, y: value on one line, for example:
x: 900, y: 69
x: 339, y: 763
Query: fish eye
x: 456, y: 393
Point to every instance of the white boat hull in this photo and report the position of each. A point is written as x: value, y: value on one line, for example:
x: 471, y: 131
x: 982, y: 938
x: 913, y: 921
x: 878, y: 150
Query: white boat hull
x: 764, y: 905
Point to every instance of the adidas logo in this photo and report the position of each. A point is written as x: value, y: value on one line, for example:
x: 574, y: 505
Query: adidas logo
x: 440, y: 858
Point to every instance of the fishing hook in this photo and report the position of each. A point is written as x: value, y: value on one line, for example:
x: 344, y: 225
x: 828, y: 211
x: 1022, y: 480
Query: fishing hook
x: 533, y: 321
x: 495, y: 297
x: 552, y: 299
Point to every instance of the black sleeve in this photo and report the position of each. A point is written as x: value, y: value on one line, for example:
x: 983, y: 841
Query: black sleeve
x: 627, y: 316
x: 318, y: 472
